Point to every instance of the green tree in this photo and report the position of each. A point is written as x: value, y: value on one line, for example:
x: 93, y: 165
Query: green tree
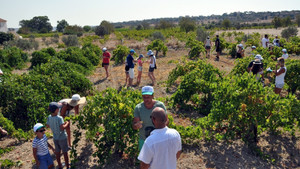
x: 202, y: 34
x: 289, y: 32
x: 145, y: 25
x: 187, y: 24
x: 61, y: 25
x: 87, y: 28
x: 39, y: 24
x: 105, y: 28
x: 287, y: 21
x: 164, y: 24
x: 5, y: 37
x: 226, y: 23
x: 73, y: 30
x: 158, y: 45
x: 277, y: 22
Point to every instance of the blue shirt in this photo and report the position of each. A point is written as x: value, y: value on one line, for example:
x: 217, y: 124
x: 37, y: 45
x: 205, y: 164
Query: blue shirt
x: 55, y: 122
x: 130, y: 61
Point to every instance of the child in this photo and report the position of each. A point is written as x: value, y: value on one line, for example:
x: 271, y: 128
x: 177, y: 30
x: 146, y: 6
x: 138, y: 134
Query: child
x: 57, y: 125
x: 40, y: 148
x: 140, y: 69
x: 280, y: 73
x: 285, y: 55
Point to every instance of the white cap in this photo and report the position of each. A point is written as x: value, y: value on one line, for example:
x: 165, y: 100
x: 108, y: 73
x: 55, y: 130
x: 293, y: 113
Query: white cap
x: 38, y: 126
x: 150, y: 53
x: 253, y: 47
x: 258, y: 57
x: 104, y: 49
x: 284, y: 50
x: 147, y: 90
x: 240, y: 45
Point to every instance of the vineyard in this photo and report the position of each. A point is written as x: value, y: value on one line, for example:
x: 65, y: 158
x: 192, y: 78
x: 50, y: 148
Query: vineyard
x: 226, y: 118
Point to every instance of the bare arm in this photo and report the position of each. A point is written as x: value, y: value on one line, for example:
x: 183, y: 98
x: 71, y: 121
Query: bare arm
x: 65, y: 125
x: 144, y: 165
x: 35, y: 156
x: 49, y: 145
x: 76, y: 108
x: 280, y: 71
x: 137, y: 123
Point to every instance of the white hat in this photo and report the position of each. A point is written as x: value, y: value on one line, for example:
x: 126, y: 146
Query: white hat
x: 258, y: 57
x: 284, y: 50
x: 150, y: 53
x: 253, y: 47
x: 104, y: 49
x: 240, y: 45
x: 147, y: 90
x: 38, y: 126
x: 75, y: 100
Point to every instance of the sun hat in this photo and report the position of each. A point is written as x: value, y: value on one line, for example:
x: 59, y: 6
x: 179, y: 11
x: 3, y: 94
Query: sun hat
x: 104, y: 49
x: 149, y: 53
x: 240, y: 45
x: 132, y: 51
x: 284, y: 50
x: 147, y: 90
x: 38, y: 126
x: 141, y: 56
x: 75, y: 100
x: 253, y: 47
x: 53, y: 106
x: 258, y: 56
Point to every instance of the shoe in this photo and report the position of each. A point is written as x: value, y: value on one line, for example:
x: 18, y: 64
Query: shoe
x: 217, y: 59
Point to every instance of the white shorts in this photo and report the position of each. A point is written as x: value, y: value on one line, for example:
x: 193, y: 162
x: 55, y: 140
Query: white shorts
x: 279, y: 85
x: 131, y: 73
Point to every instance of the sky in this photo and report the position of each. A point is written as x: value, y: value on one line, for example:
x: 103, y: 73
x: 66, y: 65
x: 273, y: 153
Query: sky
x: 92, y: 12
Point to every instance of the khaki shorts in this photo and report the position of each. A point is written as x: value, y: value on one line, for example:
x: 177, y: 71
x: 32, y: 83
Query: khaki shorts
x: 131, y: 73
x: 61, y: 145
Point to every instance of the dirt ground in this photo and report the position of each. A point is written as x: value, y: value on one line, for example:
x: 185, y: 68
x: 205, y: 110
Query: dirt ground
x: 283, y: 149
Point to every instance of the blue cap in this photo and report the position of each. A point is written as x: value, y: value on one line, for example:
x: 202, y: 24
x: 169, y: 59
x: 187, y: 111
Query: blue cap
x: 132, y: 51
x: 53, y: 106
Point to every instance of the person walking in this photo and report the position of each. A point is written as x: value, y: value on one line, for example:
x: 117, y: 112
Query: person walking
x: 163, y: 147
x: 218, y: 48
x: 140, y: 69
x: 130, y: 62
x: 142, y: 112
x: 106, y: 59
x: 152, y: 66
x: 279, y: 73
x: 208, y: 45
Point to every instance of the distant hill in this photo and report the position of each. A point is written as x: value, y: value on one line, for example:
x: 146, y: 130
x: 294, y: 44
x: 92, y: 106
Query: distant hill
x: 235, y: 17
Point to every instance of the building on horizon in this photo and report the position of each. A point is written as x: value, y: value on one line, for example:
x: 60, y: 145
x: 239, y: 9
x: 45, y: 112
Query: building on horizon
x: 3, y: 25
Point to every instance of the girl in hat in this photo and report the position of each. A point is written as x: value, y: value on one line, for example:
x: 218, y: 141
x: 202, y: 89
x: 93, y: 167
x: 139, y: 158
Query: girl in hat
x: 140, y: 69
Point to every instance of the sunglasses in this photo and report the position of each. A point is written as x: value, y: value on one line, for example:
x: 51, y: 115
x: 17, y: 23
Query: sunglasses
x: 42, y: 130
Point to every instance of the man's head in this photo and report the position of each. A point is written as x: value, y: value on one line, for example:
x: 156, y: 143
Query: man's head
x: 54, y: 107
x: 159, y: 117
x: 266, y: 36
x: 217, y: 36
x: 147, y: 94
x: 131, y: 51
x: 39, y: 130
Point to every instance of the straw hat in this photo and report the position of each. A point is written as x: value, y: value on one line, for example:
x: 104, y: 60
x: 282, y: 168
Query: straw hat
x: 75, y: 100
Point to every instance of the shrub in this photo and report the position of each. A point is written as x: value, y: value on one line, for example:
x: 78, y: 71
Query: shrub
x: 5, y: 37
x: 158, y: 46
x: 196, y: 48
x: 39, y: 57
x: 73, y: 30
x: 87, y: 28
x: 120, y: 53
x: 92, y: 52
x: 289, y: 32
x: 24, y: 44
x: 187, y: 24
x: 70, y: 40
x: 293, y: 75
x: 75, y: 55
x: 14, y: 57
x: 157, y: 35
x: 105, y: 28
x: 202, y: 34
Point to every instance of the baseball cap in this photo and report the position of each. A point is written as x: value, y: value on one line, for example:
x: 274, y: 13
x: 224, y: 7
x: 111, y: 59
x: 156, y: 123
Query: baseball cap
x: 284, y: 50
x: 253, y: 47
x: 38, y: 126
x: 132, y: 51
x: 53, y: 106
x: 141, y: 56
x: 147, y: 90
x: 150, y: 53
x: 104, y: 49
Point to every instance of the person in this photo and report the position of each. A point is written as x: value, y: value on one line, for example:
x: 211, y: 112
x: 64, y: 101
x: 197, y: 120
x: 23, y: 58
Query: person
x: 126, y: 72
x: 152, y: 66
x: 40, y: 149
x: 265, y: 41
x: 285, y: 55
x: 163, y: 147
x: 3, y: 132
x: 276, y: 41
x: 208, y: 47
x: 218, y: 47
x: 257, y: 68
x: 67, y: 106
x: 130, y: 62
x: 1, y: 73
x: 58, y: 126
x: 140, y: 69
x: 240, y: 52
x: 253, y: 48
x: 142, y: 112
x: 280, y: 73
x: 105, y: 61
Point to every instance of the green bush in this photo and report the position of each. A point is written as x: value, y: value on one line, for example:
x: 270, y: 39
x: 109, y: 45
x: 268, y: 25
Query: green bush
x: 23, y: 44
x: 39, y: 57
x: 292, y: 77
x: 92, y: 52
x: 120, y: 53
x: 157, y: 35
x: 73, y: 30
x: 289, y: 32
x: 158, y: 46
x: 70, y: 40
x: 5, y: 37
x: 75, y: 55
x: 13, y: 56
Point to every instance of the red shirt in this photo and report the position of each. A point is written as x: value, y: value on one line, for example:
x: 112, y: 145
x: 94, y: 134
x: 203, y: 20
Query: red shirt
x: 106, y: 57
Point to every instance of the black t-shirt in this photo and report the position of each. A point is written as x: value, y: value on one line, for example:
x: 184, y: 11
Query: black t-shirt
x: 256, y: 67
x: 217, y: 43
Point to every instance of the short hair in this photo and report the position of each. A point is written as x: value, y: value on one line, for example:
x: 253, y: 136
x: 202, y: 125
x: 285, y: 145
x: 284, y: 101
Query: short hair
x: 281, y: 60
x: 217, y: 35
x: 266, y: 35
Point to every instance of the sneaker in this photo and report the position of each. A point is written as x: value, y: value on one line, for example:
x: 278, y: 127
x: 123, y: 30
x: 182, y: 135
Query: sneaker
x: 217, y: 59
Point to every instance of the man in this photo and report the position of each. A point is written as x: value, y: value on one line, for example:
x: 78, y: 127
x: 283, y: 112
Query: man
x: 142, y: 112
x: 130, y: 63
x: 218, y: 48
x: 256, y: 66
x: 276, y: 41
x: 163, y: 147
x: 265, y: 41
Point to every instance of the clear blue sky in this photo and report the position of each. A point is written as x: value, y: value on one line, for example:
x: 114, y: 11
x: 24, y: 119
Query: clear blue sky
x: 92, y: 12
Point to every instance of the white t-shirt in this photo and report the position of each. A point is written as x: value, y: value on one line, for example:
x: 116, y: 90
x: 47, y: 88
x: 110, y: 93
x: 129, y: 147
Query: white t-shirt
x: 207, y: 42
x: 160, y: 149
x: 152, y: 65
x: 285, y: 56
x: 264, y: 42
x: 280, y: 79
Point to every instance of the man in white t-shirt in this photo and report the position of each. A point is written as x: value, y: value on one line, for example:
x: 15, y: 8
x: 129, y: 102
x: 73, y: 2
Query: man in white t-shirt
x: 285, y: 55
x: 163, y: 147
x: 265, y: 41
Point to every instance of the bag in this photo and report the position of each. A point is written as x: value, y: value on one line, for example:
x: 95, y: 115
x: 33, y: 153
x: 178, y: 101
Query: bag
x: 126, y: 68
x: 155, y: 66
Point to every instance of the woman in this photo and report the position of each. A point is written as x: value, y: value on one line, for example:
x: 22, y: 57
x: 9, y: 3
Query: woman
x: 208, y: 45
x: 280, y: 73
x: 152, y: 66
x: 140, y: 69
x: 105, y: 61
x: 67, y: 106
x: 240, y: 52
